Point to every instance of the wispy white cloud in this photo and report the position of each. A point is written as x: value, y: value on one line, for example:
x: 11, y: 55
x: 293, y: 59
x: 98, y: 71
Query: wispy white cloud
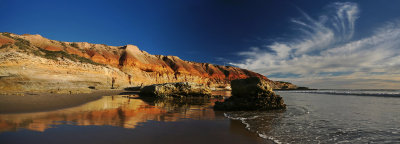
x: 326, y: 56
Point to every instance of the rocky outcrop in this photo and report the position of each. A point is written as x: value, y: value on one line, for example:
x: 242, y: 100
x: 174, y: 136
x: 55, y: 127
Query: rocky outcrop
x: 181, y: 89
x: 34, y: 63
x: 282, y: 85
x: 251, y: 94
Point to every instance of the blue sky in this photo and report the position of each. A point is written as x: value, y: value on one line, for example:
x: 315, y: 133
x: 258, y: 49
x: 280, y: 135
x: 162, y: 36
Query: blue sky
x: 321, y: 44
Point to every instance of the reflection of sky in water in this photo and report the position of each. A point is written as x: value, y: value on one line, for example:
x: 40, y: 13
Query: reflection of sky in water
x: 119, y: 111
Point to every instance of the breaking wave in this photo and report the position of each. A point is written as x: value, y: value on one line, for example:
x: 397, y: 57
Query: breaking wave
x: 379, y: 93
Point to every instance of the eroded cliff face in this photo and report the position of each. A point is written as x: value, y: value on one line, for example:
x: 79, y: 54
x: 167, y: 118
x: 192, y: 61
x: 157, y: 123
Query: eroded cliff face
x: 34, y: 63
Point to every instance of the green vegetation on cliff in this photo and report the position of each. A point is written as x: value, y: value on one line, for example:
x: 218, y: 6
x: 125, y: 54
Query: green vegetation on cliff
x: 62, y: 54
x: 75, y: 45
x: 19, y: 42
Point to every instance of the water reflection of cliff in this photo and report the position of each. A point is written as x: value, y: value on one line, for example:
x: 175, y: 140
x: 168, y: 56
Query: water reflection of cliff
x: 111, y: 110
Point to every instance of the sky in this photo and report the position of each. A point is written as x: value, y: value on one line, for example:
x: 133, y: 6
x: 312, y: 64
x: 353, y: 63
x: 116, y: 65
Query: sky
x: 314, y: 43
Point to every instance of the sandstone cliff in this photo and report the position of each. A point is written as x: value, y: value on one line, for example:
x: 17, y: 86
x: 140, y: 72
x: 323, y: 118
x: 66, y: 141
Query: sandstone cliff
x: 34, y: 63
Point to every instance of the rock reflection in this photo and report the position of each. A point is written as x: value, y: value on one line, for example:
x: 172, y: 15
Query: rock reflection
x: 124, y: 111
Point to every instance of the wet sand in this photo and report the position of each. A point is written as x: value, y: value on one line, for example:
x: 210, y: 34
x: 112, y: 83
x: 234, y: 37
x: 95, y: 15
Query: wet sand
x: 152, y: 132
x: 35, y: 102
x: 119, y: 119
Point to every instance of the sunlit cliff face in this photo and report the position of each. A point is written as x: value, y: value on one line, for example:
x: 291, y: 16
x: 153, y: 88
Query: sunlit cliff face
x: 49, y: 64
x: 122, y: 111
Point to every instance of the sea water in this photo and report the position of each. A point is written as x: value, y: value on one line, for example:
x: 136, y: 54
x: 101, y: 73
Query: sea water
x: 318, y: 116
x: 329, y: 116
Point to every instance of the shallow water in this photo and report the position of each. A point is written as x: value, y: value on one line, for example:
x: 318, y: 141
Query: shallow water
x: 322, y: 117
x: 127, y: 119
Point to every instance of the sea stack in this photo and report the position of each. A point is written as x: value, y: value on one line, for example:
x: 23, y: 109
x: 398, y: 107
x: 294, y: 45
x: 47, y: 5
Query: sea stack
x: 251, y: 94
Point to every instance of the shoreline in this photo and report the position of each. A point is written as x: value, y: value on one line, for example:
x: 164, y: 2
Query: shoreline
x: 295, y: 89
x: 37, y: 102
x: 27, y: 102
x: 196, y: 125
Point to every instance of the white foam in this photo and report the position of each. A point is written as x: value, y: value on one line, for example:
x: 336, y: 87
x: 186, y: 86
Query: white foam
x: 383, y: 93
x: 243, y: 120
x: 269, y: 138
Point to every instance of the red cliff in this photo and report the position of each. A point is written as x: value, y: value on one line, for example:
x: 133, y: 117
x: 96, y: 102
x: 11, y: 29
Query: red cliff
x: 32, y: 62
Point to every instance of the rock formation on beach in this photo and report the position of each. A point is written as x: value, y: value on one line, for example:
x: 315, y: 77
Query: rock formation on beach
x: 251, y: 94
x: 34, y: 63
x: 180, y: 89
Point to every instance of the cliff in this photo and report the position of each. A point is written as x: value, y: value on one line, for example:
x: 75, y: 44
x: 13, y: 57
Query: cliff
x: 34, y: 63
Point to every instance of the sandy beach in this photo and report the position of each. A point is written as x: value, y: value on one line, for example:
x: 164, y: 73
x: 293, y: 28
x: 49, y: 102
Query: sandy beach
x: 35, y: 102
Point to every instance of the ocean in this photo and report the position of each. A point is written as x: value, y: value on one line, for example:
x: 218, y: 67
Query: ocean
x: 313, y: 116
x: 329, y: 116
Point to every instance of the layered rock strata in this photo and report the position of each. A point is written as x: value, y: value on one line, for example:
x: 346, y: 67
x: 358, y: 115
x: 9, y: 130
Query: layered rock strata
x: 34, y: 63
